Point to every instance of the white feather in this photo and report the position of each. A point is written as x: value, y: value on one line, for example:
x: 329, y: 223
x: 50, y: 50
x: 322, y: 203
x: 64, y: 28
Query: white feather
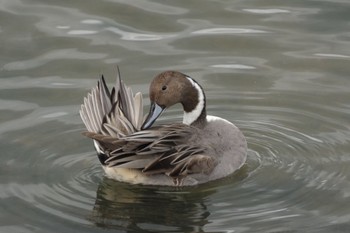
x: 190, y: 117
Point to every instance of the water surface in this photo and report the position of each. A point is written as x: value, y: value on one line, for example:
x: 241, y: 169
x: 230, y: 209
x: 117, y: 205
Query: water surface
x: 278, y: 70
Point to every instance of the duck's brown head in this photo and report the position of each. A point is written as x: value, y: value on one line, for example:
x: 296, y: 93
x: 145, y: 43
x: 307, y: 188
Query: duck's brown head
x: 172, y: 87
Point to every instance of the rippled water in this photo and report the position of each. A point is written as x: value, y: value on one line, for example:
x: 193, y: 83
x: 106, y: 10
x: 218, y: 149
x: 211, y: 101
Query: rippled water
x: 279, y: 70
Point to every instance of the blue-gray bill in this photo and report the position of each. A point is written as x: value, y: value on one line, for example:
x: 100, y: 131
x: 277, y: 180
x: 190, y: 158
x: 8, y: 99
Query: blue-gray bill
x: 154, y: 113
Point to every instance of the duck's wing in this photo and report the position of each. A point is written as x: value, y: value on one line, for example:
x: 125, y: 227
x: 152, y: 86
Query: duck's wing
x: 160, y: 150
x: 116, y: 113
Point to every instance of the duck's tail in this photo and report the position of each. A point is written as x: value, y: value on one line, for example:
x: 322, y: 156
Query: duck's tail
x: 115, y: 113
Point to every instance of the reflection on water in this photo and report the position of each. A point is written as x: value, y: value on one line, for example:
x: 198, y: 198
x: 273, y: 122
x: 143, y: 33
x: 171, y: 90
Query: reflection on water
x: 156, y: 209
x: 278, y: 70
x: 165, y: 210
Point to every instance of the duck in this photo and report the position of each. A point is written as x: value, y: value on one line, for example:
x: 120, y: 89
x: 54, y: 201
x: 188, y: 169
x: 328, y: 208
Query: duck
x: 200, y: 149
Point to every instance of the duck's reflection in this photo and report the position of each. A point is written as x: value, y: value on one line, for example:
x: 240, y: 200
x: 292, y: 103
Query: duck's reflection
x: 154, y: 209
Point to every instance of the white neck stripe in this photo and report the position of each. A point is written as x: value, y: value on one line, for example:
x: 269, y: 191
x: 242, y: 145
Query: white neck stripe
x: 190, y: 117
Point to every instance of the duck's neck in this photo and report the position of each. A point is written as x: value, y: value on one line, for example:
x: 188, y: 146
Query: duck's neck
x: 194, y: 111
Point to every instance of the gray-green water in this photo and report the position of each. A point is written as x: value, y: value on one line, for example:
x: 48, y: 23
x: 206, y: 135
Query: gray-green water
x: 279, y: 70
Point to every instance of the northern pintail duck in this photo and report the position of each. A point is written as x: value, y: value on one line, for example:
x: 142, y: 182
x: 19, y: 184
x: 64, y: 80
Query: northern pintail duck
x: 200, y: 149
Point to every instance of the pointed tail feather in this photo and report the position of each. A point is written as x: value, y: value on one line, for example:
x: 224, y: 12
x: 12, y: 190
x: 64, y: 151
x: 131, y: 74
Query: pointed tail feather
x: 119, y: 108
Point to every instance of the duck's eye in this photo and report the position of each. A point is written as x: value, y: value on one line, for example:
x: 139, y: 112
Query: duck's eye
x: 164, y: 88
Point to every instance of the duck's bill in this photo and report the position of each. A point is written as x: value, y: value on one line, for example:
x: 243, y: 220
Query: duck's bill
x: 154, y: 113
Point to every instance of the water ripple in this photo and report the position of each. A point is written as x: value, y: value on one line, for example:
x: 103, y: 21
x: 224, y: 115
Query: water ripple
x: 266, y: 11
x: 234, y: 66
x: 81, y: 32
x: 213, y: 31
x: 330, y: 55
x: 136, y: 36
